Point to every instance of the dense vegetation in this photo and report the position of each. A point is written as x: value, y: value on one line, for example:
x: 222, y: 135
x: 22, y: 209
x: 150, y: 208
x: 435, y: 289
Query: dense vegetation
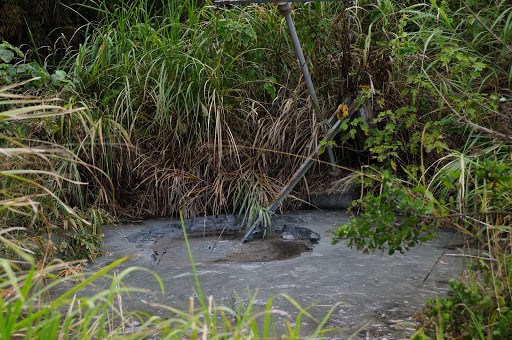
x: 172, y: 106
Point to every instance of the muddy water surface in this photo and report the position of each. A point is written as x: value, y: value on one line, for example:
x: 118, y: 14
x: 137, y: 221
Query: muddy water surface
x: 379, y: 291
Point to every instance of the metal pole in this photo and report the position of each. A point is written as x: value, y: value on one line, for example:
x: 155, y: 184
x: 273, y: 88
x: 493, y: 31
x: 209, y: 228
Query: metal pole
x: 333, y: 131
x: 285, y: 9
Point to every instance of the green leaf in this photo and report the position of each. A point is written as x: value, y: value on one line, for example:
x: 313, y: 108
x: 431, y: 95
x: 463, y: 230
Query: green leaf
x: 6, y: 55
x: 58, y: 77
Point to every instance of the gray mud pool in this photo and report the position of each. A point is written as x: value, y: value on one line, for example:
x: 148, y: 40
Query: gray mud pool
x: 380, y: 291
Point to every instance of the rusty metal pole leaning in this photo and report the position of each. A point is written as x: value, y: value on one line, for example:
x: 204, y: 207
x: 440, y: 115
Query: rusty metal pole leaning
x: 285, y: 8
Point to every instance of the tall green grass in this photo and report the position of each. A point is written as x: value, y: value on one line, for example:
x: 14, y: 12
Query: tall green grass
x: 179, y: 96
x: 35, y: 176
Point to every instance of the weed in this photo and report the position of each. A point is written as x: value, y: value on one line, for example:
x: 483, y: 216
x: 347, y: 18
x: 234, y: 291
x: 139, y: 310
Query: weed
x: 31, y: 187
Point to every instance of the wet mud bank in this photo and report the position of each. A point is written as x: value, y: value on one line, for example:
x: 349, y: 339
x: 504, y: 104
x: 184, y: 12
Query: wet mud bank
x: 379, y: 291
x: 218, y: 239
